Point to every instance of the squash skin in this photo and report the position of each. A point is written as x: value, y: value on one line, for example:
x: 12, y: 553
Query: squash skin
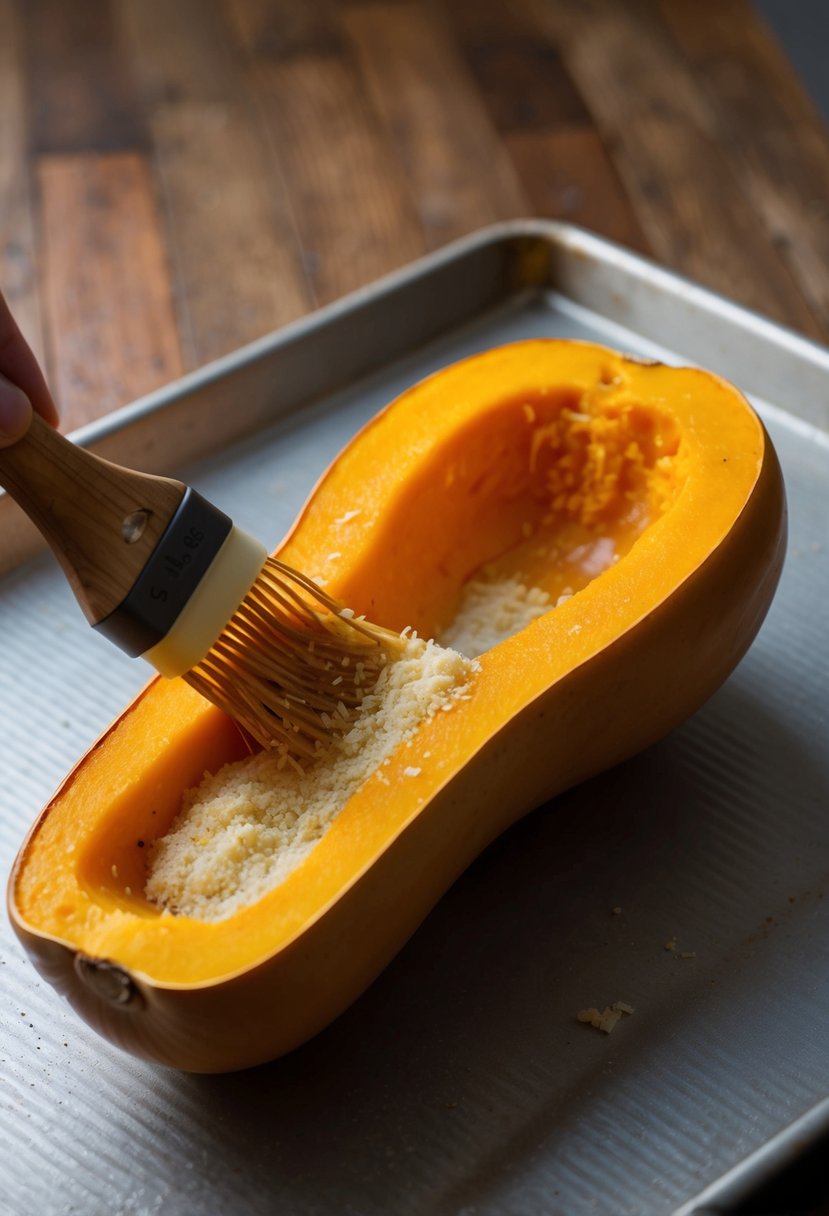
x: 618, y: 696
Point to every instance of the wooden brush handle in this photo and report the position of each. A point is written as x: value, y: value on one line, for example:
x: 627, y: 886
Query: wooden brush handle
x: 102, y: 521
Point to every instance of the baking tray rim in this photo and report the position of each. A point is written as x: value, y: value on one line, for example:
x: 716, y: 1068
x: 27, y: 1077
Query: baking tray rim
x: 554, y: 233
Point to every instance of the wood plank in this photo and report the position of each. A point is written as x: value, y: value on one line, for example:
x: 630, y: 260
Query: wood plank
x: 491, y: 20
x: 353, y: 212
x: 563, y: 166
x: 235, y: 255
x: 237, y: 263
x: 769, y: 129
x: 652, y: 112
x: 282, y: 29
x: 459, y: 174
x: 715, y: 33
x: 80, y: 86
x: 185, y: 51
x: 567, y: 174
x: 525, y: 81
x: 18, y: 250
x: 106, y: 290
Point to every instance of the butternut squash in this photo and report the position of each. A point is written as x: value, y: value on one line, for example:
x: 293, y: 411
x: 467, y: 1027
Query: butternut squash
x: 651, y: 493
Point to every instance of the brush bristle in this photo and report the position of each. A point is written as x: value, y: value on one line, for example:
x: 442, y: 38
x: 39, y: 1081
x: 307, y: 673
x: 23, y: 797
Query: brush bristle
x: 293, y: 665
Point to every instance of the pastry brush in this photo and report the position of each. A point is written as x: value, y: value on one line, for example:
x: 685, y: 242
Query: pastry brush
x: 164, y: 574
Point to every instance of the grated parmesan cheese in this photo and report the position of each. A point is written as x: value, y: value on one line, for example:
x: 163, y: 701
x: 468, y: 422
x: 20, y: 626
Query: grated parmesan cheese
x: 490, y: 612
x: 243, y: 831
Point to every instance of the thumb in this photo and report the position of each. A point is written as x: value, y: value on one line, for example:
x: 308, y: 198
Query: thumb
x: 15, y: 413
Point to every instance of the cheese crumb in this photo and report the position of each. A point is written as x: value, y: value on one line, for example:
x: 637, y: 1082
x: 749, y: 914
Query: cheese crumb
x: 607, y: 1019
x: 411, y: 771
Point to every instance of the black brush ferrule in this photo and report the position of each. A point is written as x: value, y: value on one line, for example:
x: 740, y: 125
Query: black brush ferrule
x: 174, y: 570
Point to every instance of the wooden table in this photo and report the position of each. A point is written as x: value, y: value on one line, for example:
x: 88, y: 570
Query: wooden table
x: 178, y: 177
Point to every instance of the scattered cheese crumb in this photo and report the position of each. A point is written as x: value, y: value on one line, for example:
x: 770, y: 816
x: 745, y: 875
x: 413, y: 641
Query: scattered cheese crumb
x: 411, y: 771
x: 670, y: 944
x: 332, y: 557
x: 607, y: 1019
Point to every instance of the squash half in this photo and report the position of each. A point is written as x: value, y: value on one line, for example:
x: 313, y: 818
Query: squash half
x: 520, y: 459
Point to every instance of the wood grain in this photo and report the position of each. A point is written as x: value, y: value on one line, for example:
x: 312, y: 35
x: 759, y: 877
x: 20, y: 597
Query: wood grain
x: 568, y: 175
x: 106, y: 297
x: 653, y: 111
x: 79, y: 503
x: 545, y: 126
x: 772, y: 135
x: 354, y: 215
x: 80, y: 84
x: 524, y: 80
x: 18, y: 253
x: 283, y: 29
x: 458, y: 171
x: 235, y: 262
x: 182, y: 51
x: 237, y: 270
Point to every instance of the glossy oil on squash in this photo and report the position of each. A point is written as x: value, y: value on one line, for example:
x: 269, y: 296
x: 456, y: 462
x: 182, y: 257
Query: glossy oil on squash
x: 652, y: 493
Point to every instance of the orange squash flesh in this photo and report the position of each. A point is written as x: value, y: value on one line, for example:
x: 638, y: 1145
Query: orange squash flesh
x: 652, y: 492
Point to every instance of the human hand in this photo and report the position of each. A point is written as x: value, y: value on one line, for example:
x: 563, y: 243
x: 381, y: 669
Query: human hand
x: 22, y: 385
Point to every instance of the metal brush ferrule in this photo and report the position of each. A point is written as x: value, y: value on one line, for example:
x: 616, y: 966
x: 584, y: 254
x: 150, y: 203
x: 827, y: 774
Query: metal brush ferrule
x: 186, y: 550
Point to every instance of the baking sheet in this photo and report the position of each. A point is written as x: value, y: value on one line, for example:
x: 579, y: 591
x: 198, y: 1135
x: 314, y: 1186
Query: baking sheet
x: 461, y: 1081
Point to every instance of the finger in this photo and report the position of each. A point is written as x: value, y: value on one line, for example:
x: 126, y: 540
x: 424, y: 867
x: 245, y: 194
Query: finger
x: 18, y: 364
x: 15, y: 412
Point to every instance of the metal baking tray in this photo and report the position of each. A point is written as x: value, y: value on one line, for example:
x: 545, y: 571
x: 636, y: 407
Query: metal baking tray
x: 461, y: 1082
